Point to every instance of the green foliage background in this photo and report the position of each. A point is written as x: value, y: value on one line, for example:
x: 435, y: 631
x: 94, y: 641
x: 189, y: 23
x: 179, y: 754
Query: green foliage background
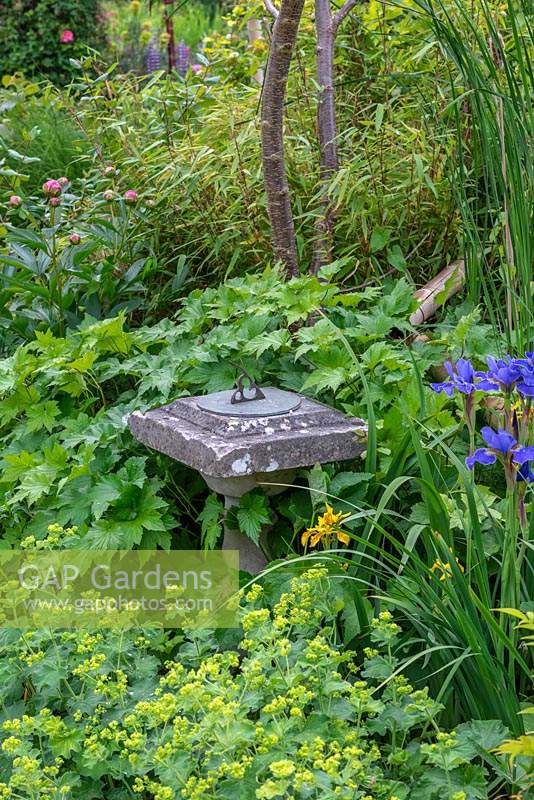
x: 394, y: 200
x: 163, y: 297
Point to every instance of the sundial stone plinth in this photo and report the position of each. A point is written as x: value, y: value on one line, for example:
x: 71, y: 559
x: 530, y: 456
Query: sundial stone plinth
x: 238, y: 443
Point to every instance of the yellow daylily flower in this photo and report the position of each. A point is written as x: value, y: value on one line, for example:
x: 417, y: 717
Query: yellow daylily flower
x: 445, y: 569
x: 326, y: 529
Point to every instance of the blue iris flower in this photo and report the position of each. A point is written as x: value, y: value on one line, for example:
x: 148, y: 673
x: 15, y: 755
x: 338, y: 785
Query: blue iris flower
x: 501, y: 445
x: 463, y: 379
x: 503, y: 373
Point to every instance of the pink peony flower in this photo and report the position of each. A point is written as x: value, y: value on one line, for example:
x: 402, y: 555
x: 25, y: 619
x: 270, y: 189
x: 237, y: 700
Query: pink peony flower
x: 15, y: 200
x: 108, y: 195
x: 196, y: 68
x: 63, y: 181
x: 130, y: 196
x: 66, y: 37
x: 55, y: 201
x: 75, y: 238
x: 52, y: 188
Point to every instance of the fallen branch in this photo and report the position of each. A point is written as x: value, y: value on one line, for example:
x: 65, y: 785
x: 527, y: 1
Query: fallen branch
x: 437, y: 291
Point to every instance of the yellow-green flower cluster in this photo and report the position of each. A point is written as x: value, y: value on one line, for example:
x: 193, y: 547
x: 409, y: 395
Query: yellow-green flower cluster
x: 54, y: 539
x: 384, y: 630
x: 285, y: 713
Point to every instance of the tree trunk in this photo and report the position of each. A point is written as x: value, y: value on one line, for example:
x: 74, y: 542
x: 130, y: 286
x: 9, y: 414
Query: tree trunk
x: 326, y: 129
x: 283, y: 41
x: 169, y: 25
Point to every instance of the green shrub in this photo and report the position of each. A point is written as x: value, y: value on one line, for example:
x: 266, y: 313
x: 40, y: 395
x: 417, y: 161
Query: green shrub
x: 31, y: 30
x: 202, y: 169
x: 64, y: 399
x: 68, y: 457
x: 82, y: 256
x: 281, y: 713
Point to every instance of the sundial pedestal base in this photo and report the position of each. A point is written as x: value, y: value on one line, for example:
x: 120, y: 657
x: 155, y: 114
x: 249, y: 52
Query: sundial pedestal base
x: 252, y: 558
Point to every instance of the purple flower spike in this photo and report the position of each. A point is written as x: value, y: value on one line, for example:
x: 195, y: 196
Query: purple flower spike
x: 153, y: 57
x: 183, y: 57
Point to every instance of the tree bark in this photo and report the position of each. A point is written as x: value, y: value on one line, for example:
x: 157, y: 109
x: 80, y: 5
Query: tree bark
x: 326, y: 25
x: 326, y: 130
x: 283, y: 41
x: 169, y: 26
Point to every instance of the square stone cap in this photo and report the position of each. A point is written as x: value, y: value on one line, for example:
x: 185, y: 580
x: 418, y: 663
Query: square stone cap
x: 231, y: 446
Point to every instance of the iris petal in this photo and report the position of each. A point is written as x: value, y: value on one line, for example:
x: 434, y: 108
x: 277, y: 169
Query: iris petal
x: 486, y: 385
x: 480, y: 456
x: 524, y: 473
x: 446, y: 387
x: 502, y: 441
x: 526, y: 389
x: 523, y: 455
x: 450, y: 371
x: 465, y: 371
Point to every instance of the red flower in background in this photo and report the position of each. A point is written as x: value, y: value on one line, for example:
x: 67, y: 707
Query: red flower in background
x: 66, y: 37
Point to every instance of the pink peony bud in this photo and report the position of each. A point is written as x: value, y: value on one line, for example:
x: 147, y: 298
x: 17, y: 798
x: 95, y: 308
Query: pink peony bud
x: 130, y: 196
x: 196, y: 68
x: 63, y: 181
x: 15, y: 200
x: 109, y: 170
x: 108, y: 195
x: 66, y: 37
x: 75, y: 238
x: 52, y: 188
x: 55, y: 201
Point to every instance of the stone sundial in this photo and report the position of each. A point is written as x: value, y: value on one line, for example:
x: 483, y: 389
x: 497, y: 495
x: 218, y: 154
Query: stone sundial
x: 247, y: 438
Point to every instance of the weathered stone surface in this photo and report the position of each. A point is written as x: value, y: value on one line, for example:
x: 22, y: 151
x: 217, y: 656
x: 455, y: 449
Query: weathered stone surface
x: 271, y: 483
x: 231, y: 446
